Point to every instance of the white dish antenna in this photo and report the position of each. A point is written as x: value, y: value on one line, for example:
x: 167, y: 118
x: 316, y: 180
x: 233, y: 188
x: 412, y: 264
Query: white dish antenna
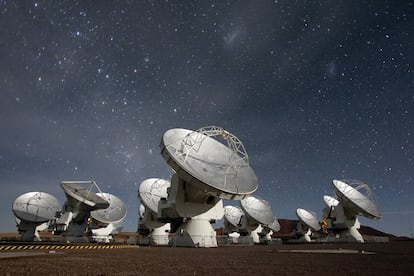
x: 151, y: 191
x: 37, y: 207
x: 330, y: 201
x: 32, y: 210
x: 357, y: 197
x: 215, y: 168
x: 258, y: 209
x: 206, y: 172
x: 82, y: 199
x: 81, y: 196
x: 233, y: 215
x: 114, y: 213
x: 308, y: 219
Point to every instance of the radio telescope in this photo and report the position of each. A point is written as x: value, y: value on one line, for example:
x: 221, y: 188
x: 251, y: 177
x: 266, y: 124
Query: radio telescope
x: 307, y: 223
x: 206, y: 171
x: 233, y: 219
x: 109, y: 221
x: 33, y: 209
x: 355, y: 199
x: 259, y: 220
x: 330, y: 204
x: 81, y: 200
x: 233, y: 222
x: 151, y: 191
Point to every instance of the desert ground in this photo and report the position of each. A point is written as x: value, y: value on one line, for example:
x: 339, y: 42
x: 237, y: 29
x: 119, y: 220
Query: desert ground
x: 393, y: 258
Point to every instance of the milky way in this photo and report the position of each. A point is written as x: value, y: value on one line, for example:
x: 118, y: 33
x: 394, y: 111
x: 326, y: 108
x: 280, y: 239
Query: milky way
x: 316, y: 90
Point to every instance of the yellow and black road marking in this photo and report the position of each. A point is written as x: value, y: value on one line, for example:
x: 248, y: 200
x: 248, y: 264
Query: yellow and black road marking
x: 11, y: 247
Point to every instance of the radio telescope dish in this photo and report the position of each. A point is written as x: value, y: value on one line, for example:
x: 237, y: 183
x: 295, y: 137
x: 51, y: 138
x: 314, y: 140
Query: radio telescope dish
x: 82, y: 196
x: 356, y: 197
x: 35, y: 207
x: 152, y: 190
x: 258, y: 209
x: 307, y: 223
x: 81, y: 201
x: 259, y: 219
x: 308, y: 219
x: 206, y: 171
x: 114, y: 213
x: 199, y: 159
x: 109, y: 221
x: 233, y: 215
x: 330, y: 201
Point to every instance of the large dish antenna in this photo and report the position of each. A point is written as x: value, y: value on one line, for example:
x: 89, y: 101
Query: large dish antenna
x: 33, y: 209
x: 206, y: 171
x: 218, y: 169
x: 356, y: 197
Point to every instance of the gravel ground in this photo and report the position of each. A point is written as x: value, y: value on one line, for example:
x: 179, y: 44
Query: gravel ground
x: 394, y: 258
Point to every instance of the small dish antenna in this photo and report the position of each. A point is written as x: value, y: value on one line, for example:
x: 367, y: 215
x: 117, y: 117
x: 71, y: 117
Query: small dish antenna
x: 107, y: 222
x: 258, y: 209
x: 81, y: 200
x: 206, y: 171
x: 307, y: 223
x: 233, y: 219
x: 33, y: 209
x: 259, y: 219
x: 330, y: 201
x: 151, y: 191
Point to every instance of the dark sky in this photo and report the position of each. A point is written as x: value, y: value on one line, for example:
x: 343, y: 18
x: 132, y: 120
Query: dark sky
x: 316, y: 90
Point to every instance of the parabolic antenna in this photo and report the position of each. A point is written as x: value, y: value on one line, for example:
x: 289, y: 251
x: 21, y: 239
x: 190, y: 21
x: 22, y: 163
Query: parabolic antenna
x: 151, y: 191
x: 330, y: 201
x: 308, y: 219
x: 258, y: 209
x: 233, y: 215
x: 199, y: 159
x: 82, y: 198
x: 114, y: 213
x: 35, y: 207
x: 356, y: 197
x: 80, y: 195
x: 274, y: 226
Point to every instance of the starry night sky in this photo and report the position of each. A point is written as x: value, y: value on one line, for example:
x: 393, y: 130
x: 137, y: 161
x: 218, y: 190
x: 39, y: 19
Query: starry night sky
x: 316, y: 90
